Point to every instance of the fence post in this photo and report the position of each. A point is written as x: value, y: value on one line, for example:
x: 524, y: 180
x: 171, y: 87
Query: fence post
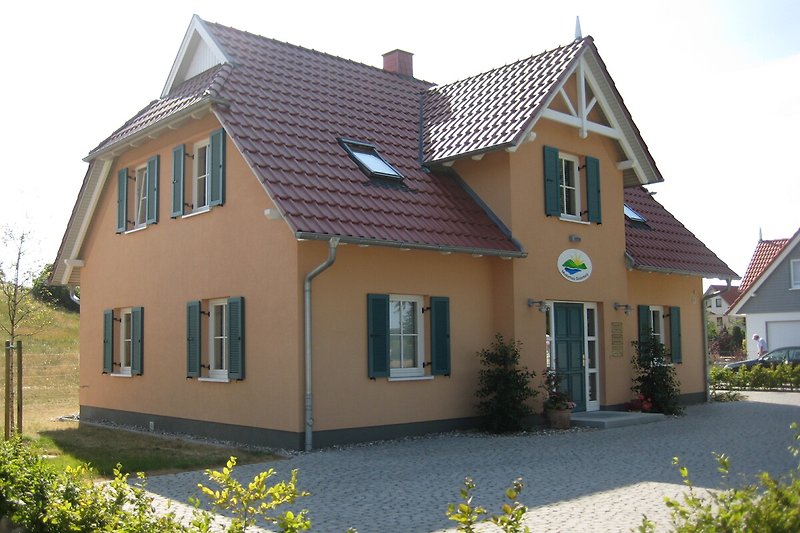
x: 19, y: 387
x: 7, y: 410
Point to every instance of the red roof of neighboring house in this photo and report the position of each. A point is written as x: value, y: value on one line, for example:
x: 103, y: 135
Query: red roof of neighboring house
x: 664, y: 244
x: 765, y: 253
x: 728, y: 294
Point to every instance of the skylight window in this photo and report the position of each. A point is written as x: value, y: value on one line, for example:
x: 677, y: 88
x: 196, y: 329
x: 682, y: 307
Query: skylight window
x: 630, y: 214
x: 369, y: 160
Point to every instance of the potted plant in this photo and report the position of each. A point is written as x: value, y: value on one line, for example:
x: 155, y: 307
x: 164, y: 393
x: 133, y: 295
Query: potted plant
x: 557, y: 404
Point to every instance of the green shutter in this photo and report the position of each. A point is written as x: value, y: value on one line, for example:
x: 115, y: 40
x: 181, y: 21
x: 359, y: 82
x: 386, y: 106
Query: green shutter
x: 551, y: 185
x: 178, y: 156
x: 137, y: 340
x: 675, y: 334
x: 193, y: 339
x: 236, y: 338
x: 217, y: 189
x: 122, y: 200
x: 108, y: 341
x: 645, y: 327
x: 152, y: 190
x: 440, y: 336
x: 593, y: 189
x: 378, y: 335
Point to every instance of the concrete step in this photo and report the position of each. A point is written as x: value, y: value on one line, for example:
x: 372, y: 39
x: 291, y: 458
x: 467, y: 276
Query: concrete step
x: 614, y: 419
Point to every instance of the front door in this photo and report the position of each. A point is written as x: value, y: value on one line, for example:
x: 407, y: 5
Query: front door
x: 569, y: 351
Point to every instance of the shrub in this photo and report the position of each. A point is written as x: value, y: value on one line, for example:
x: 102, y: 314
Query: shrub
x: 768, y: 505
x: 655, y: 378
x: 781, y: 377
x: 504, y: 387
x: 469, y: 516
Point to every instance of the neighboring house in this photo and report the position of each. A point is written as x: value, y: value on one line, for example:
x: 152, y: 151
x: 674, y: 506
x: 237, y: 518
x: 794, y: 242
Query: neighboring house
x: 718, y: 304
x: 271, y: 186
x: 769, y: 295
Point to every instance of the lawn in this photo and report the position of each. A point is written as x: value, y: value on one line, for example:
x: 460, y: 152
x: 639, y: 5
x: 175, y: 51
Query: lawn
x: 50, y: 391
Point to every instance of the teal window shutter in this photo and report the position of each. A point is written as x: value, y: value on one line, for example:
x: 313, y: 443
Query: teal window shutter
x: 178, y: 157
x: 440, y: 335
x: 152, y: 190
x: 378, y: 335
x: 551, y: 185
x: 593, y: 189
x: 217, y: 189
x: 193, y: 339
x: 122, y: 200
x: 137, y: 340
x: 645, y: 327
x: 675, y: 334
x: 108, y: 341
x: 236, y: 338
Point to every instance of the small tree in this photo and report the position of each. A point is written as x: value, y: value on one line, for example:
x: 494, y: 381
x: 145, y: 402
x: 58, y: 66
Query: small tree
x: 655, y: 379
x: 504, y: 387
x: 57, y: 296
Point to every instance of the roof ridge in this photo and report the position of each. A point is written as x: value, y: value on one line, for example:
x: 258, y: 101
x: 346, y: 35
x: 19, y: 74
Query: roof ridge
x: 579, y: 42
x: 318, y: 52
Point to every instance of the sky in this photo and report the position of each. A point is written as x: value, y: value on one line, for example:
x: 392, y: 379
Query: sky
x: 711, y: 84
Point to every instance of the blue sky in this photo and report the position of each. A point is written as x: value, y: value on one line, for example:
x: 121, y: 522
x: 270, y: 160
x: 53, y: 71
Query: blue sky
x: 712, y: 85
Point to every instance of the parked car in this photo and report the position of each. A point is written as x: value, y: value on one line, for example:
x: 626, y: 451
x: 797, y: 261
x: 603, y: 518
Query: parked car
x: 789, y: 354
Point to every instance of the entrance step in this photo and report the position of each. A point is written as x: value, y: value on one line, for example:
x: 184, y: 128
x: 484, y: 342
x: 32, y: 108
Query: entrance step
x: 614, y: 419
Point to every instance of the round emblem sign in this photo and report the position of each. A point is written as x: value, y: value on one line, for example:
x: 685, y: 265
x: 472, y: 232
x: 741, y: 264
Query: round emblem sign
x: 574, y: 265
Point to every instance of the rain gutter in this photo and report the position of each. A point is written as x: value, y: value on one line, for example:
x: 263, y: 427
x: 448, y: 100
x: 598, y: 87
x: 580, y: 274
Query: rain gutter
x: 333, y: 242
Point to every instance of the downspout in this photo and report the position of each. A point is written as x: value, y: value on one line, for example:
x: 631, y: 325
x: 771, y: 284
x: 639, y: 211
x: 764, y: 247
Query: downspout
x: 706, y: 377
x: 72, y: 295
x: 309, y: 401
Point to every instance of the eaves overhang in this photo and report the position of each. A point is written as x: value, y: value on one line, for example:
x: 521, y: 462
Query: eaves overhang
x: 492, y: 252
x: 632, y: 264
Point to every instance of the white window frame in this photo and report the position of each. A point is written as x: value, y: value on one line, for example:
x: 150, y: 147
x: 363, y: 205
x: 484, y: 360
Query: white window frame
x: 140, y: 197
x: 219, y: 305
x: 657, y: 318
x: 563, y: 160
x: 197, y: 176
x: 125, y: 342
x: 794, y: 273
x: 419, y: 369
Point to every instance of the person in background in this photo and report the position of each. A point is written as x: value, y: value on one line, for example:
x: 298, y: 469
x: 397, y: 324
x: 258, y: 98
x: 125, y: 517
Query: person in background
x: 761, y: 344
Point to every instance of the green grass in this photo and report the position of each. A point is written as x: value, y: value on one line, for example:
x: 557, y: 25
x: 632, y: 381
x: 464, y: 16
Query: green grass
x: 50, y: 390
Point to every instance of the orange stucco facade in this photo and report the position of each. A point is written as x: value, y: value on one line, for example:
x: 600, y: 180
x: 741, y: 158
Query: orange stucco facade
x: 235, y: 250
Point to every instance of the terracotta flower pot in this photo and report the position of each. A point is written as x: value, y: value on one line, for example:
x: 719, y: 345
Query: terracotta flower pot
x: 558, y: 418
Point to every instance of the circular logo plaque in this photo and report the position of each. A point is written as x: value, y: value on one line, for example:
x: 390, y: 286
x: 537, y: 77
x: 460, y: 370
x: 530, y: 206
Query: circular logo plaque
x: 574, y: 265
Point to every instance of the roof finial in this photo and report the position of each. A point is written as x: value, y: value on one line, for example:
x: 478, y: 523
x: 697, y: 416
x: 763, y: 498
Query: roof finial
x: 578, y: 35
x: 760, y: 238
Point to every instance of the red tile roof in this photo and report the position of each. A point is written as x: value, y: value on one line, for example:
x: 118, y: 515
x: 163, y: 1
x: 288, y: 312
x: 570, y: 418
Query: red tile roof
x: 728, y: 294
x: 494, y: 108
x: 765, y: 253
x: 664, y: 244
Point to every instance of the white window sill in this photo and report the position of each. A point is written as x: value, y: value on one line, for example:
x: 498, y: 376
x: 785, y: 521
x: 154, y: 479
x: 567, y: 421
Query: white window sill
x: 121, y: 374
x: 136, y: 229
x: 569, y: 218
x: 196, y: 212
x: 794, y: 288
x: 411, y: 378
x: 215, y: 380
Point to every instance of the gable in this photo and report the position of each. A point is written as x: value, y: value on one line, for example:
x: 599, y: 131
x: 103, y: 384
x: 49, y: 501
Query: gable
x: 768, y: 273
x: 198, y: 52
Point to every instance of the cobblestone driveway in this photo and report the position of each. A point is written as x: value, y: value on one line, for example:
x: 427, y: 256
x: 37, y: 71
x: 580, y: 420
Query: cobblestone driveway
x: 598, y: 480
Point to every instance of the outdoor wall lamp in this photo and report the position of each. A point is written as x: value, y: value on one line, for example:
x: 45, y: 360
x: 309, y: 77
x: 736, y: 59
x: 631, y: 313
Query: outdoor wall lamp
x: 543, y: 307
x: 625, y: 307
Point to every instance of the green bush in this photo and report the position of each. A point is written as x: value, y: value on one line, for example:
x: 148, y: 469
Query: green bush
x: 504, y: 387
x: 654, y: 377
x: 768, y: 505
x: 468, y: 516
x: 781, y: 377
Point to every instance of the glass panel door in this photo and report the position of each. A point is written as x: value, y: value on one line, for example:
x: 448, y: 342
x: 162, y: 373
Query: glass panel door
x: 592, y: 363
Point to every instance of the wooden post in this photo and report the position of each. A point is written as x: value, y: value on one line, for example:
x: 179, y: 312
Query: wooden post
x: 7, y: 411
x: 19, y: 387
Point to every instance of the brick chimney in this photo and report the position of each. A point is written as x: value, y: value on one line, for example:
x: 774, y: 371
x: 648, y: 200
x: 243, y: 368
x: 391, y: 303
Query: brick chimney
x: 399, y: 62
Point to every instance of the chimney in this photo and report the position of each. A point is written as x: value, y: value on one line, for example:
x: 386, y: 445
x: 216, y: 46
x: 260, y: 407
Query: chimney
x: 399, y: 62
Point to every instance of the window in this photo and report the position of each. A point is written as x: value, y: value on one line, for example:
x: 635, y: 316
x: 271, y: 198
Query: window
x: 708, y: 303
x: 398, y: 328
x: 200, y: 181
x: 129, y: 338
x: 569, y: 193
x: 405, y: 336
x: 651, y: 322
x: 631, y: 214
x: 795, y: 273
x: 222, y: 359
x: 369, y: 160
x: 206, y: 185
x: 144, y: 197
x: 718, y: 302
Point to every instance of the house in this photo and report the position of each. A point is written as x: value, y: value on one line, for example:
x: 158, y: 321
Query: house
x: 769, y: 295
x: 718, y: 299
x: 293, y: 249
